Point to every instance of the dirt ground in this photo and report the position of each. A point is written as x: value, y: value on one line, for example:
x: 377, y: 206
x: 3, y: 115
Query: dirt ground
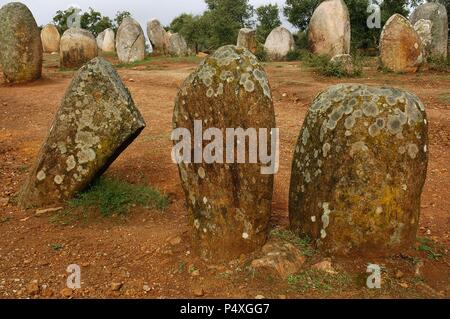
x: 136, y: 250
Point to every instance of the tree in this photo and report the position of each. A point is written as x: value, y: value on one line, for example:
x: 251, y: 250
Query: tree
x: 224, y: 18
x: 268, y: 18
x: 299, y: 12
x: 193, y: 29
x: 91, y: 20
x: 120, y: 15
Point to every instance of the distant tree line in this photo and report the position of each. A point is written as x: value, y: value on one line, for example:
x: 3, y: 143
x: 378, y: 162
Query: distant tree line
x: 220, y: 23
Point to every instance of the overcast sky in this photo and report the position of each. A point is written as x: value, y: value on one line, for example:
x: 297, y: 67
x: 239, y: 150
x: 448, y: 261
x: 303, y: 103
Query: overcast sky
x: 142, y: 10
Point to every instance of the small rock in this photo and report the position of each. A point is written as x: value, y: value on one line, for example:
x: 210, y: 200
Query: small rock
x: 199, y: 292
x: 403, y: 285
x: 399, y: 274
x: 47, y: 293
x: 33, y: 288
x: 146, y: 288
x: 4, y: 201
x: 40, y: 212
x: 260, y: 297
x: 116, y: 286
x: 131, y: 80
x: 175, y: 241
x: 66, y: 292
x: 325, y: 266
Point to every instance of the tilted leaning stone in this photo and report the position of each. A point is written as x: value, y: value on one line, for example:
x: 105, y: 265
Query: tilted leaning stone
x: 130, y: 41
x: 437, y: 14
x: 400, y: 46
x: 50, y: 38
x: 247, y: 39
x: 20, y: 44
x: 359, y: 168
x: 278, y: 44
x: 78, y: 46
x: 329, y: 29
x: 229, y: 204
x: 96, y: 121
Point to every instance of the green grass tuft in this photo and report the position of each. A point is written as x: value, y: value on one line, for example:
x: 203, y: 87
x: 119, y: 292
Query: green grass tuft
x: 112, y: 196
x: 320, y: 281
x: 304, y: 244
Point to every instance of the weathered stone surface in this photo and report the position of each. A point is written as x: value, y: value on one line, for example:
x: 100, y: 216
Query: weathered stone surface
x: 280, y: 259
x: 130, y: 41
x: 177, y: 45
x: 109, y: 41
x: 359, y: 168
x: 329, y: 29
x: 96, y: 121
x: 400, y: 45
x: 50, y: 38
x: 423, y: 29
x: 345, y: 61
x: 229, y: 204
x: 279, y: 42
x: 437, y: 14
x: 247, y: 39
x: 100, y: 38
x: 20, y: 44
x: 158, y: 37
x: 78, y: 46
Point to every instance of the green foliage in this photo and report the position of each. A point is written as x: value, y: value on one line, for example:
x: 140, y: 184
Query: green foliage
x: 304, y: 244
x: 112, y: 196
x: 91, y: 20
x: 316, y: 280
x: 323, y: 65
x: 301, y: 40
x: 120, y: 15
x: 193, y: 28
x: 268, y: 17
x: 261, y: 53
x: 427, y: 245
x: 293, y: 55
x: 56, y: 247
x: 439, y: 64
x: 299, y: 12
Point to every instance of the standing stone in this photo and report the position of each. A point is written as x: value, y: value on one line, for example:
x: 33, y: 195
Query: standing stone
x: 78, y: 46
x: 50, y: 39
x: 400, y: 46
x: 329, y: 29
x: 423, y: 29
x: 96, y: 121
x: 359, y: 169
x: 158, y: 37
x: 279, y: 42
x: 100, y: 39
x: 109, y: 41
x: 247, y: 39
x: 437, y: 14
x: 130, y: 41
x: 177, y: 45
x: 20, y: 44
x: 229, y: 204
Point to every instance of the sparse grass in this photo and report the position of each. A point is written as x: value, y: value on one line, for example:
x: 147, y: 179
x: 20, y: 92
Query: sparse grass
x: 439, y: 64
x: 5, y: 219
x: 112, y: 197
x: 56, y: 247
x: 427, y: 245
x: 304, y: 244
x: 181, y: 267
x: 320, y: 281
x: 134, y: 64
x: 323, y: 65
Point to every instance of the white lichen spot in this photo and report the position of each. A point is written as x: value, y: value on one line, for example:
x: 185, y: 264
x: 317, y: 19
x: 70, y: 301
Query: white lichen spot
x: 313, y: 219
x: 358, y: 147
x: 379, y: 210
x: 71, y: 163
x: 41, y: 175
x: 58, y: 179
x: 197, y: 223
x: 201, y: 172
x: 413, y: 150
x: 325, y: 149
x: 245, y: 235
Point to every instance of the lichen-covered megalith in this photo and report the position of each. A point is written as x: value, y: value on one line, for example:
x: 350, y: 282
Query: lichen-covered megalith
x: 130, y: 41
x: 437, y: 14
x: 50, y: 38
x: 358, y: 171
x: 400, y: 46
x: 229, y: 204
x: 96, y: 121
x: 20, y: 44
x: 178, y: 45
x: 329, y: 29
x: 77, y: 47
